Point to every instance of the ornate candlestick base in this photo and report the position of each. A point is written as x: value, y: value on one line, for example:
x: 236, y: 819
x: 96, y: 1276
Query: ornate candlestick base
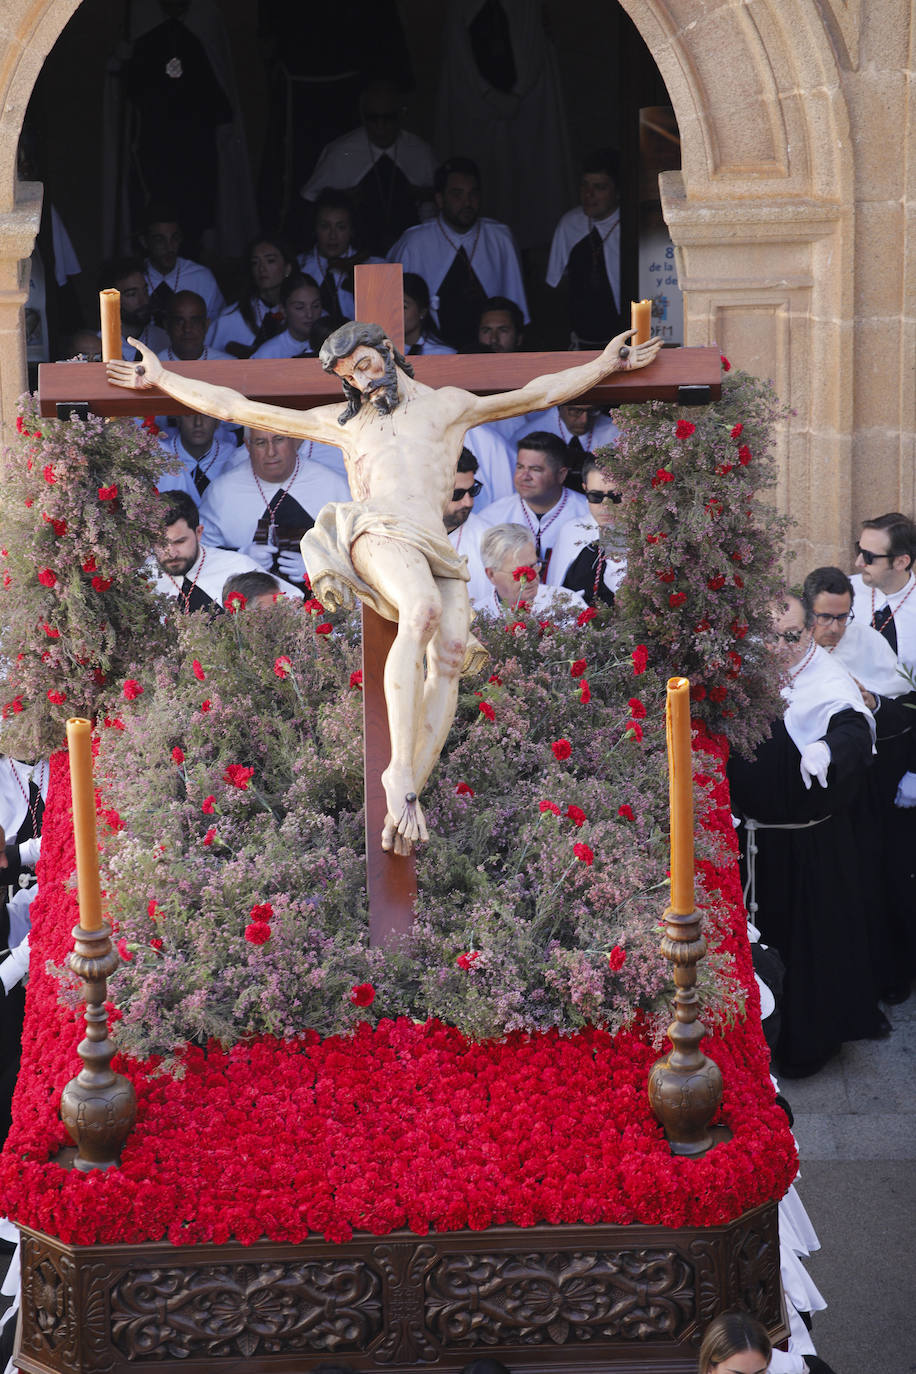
x: 98, y: 1107
x: 685, y: 1089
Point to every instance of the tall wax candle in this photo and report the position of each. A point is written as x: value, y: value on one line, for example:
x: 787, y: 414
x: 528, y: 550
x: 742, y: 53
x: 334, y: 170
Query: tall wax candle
x: 680, y: 791
x: 79, y: 743
x: 641, y: 320
x: 110, y: 311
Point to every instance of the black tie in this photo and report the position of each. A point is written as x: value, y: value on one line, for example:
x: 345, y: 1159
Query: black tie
x: 160, y: 300
x: 200, y: 480
x: 414, y: 349
x: 329, y: 297
x: 883, y: 622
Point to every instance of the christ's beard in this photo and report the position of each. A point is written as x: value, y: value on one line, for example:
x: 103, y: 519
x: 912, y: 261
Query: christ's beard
x: 383, y: 393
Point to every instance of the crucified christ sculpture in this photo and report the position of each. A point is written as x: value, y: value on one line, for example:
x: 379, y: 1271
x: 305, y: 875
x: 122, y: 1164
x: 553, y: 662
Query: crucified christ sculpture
x: 401, y: 441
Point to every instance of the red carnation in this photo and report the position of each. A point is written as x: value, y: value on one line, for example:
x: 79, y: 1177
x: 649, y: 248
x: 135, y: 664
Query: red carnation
x: 156, y: 942
x: 152, y: 909
x: 524, y: 574
x: 362, y: 995
x: 205, y: 706
x: 518, y: 627
x: 494, y: 677
x: 718, y: 694
x: 57, y: 698
x: 739, y: 628
x: 59, y: 527
x: 561, y: 749
x: 578, y: 667
x: 744, y: 455
x: 123, y: 950
x: 634, y: 730
x: 113, y: 820
x: 640, y: 657
x: 149, y: 424
x: 684, y: 428
x: 108, y: 493
x: 197, y: 670
x: 48, y: 474
x: 313, y: 607
x: 697, y: 692
x: 581, y: 619
x: 625, y: 812
x: 356, y: 678
x: 584, y: 854
x: 177, y: 755
x: 469, y: 959
x: 208, y: 806
x: 637, y: 709
x: 113, y: 724
x: 576, y: 815
x: 486, y: 709
x: 666, y: 575
x: 738, y: 581
x: 715, y: 584
x: 662, y: 475
x: 47, y: 578
x: 257, y: 933
x: 585, y: 692
x: 737, y: 431
x: 724, y: 469
x: 324, y: 629
x: 550, y: 806
x: 237, y: 775
x: 132, y: 689
x: 235, y: 602
x: 101, y: 584
x: 209, y: 837
x: 726, y: 365
x: 262, y: 912
x: 20, y: 426
x: 282, y: 666
x: 463, y: 790
x: 677, y: 599
x: 89, y: 565
x: 616, y: 959
x: 50, y: 631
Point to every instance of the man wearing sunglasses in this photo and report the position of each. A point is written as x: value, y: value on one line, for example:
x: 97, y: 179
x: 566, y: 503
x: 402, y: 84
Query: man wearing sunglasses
x: 464, y: 528
x: 590, y: 555
x: 801, y: 848
x: 541, y: 503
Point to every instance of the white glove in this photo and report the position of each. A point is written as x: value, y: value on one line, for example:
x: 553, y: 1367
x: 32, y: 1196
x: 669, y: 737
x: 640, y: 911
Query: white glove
x: 29, y: 851
x: 291, y: 565
x: 815, y: 761
x: 262, y: 554
x: 906, y: 792
x: 14, y: 969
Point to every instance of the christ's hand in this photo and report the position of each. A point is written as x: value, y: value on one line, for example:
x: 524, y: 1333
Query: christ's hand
x: 136, y: 376
x: 624, y: 357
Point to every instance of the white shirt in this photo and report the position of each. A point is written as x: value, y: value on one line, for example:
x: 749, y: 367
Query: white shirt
x: 552, y: 601
x: 210, y: 571
x: 902, y: 603
x: 572, y: 539
x: 188, y: 276
x: 466, y: 540
x: 572, y: 228
x: 283, y: 346
x: 495, y: 463
x: 316, y: 267
x: 429, y: 250
x: 230, y: 326
x: 221, y: 454
x: 14, y: 790
x: 868, y: 657
x: 512, y: 510
x: 601, y: 433
x: 232, y: 505
x: 344, y: 161
x: 432, y: 347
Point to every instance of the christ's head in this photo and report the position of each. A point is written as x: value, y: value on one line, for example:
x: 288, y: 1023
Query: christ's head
x: 366, y: 361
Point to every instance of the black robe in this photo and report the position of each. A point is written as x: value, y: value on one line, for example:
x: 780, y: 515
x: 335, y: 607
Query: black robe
x: 810, y: 889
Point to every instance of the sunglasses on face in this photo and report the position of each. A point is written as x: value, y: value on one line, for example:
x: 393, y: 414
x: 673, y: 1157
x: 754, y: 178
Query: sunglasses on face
x: 595, y: 498
x: 473, y: 490
x: 789, y: 636
x: 868, y: 557
x: 823, y: 618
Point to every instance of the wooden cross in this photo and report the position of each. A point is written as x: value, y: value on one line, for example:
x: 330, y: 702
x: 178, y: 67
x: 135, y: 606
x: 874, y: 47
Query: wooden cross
x: 691, y: 375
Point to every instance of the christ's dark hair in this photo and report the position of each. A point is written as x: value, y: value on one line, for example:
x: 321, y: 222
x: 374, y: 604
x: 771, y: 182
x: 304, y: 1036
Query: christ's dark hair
x: 832, y: 580
x: 341, y: 344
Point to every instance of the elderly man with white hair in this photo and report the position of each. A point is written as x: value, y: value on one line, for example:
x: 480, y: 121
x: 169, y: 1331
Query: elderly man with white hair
x: 513, y: 570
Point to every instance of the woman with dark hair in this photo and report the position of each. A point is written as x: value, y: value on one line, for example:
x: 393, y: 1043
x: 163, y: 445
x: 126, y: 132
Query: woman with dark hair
x: 418, y: 337
x: 735, y: 1344
x: 255, y: 317
x: 300, y: 302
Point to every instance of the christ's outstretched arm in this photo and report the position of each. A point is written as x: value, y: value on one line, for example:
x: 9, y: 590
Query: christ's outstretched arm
x: 319, y: 423
x: 557, y: 387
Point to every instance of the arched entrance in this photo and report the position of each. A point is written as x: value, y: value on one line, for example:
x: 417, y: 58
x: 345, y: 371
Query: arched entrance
x: 761, y: 217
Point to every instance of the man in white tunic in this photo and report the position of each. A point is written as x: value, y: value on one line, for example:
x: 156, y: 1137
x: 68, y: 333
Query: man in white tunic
x: 541, y: 502
x: 264, y: 507
x: 463, y: 258
x: 166, y: 272
x: 204, y: 452
x: 590, y: 555
x: 586, y: 251
x: 186, y: 569
x: 465, y: 529
x: 514, y: 574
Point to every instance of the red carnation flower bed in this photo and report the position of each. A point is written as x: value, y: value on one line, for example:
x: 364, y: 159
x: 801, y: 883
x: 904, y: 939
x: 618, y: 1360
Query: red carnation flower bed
x: 403, y: 1125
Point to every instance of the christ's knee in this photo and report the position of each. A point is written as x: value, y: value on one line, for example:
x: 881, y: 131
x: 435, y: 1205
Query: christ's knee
x: 422, y: 618
x: 446, y: 657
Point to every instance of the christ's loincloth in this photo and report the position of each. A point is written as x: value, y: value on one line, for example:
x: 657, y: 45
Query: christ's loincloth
x: 327, y: 546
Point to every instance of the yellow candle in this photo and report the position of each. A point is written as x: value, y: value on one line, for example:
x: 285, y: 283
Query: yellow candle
x: 641, y: 320
x: 110, y: 311
x: 79, y: 743
x: 680, y: 792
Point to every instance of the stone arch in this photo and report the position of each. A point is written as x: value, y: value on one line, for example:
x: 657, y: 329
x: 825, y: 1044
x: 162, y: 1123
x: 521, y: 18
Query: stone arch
x: 761, y: 213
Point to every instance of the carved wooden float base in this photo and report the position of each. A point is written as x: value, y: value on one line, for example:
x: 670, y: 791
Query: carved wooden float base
x: 548, y: 1298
